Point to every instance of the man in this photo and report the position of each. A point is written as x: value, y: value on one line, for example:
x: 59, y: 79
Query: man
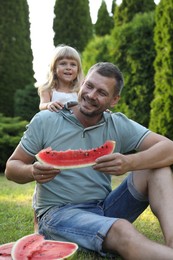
x: 77, y: 204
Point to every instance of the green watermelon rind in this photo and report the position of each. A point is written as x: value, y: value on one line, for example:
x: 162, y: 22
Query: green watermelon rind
x: 38, y: 244
x: 79, y: 163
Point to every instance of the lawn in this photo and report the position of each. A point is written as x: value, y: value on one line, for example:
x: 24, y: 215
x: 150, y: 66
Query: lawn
x: 16, y: 215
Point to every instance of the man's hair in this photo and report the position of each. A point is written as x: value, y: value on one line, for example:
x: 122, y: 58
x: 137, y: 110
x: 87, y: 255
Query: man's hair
x: 107, y: 69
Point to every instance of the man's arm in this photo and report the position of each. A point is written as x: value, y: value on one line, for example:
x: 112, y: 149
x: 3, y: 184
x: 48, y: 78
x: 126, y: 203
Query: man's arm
x: 21, y: 168
x: 155, y: 151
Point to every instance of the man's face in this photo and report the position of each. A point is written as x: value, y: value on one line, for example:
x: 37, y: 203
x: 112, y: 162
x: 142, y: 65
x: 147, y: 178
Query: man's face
x: 97, y: 94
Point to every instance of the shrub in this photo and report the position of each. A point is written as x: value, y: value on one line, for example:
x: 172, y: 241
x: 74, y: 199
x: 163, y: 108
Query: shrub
x: 26, y: 102
x: 11, y: 130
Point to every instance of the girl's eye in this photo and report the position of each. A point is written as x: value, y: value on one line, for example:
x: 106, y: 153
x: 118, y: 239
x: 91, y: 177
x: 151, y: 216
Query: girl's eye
x: 62, y: 63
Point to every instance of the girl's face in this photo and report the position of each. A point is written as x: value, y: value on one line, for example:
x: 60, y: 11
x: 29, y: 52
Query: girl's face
x: 66, y: 70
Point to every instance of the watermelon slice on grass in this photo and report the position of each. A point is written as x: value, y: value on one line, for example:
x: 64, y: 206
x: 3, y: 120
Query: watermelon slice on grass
x: 35, y: 247
x: 5, y: 251
x: 74, y: 158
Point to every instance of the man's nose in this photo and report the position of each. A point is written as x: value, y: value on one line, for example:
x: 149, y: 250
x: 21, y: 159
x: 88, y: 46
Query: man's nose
x: 92, y: 94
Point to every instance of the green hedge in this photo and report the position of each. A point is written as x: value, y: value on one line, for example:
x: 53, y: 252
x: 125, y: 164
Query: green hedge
x: 26, y: 103
x: 11, y: 130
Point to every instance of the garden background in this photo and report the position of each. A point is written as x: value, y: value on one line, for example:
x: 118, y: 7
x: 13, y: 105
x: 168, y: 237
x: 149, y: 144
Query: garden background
x: 137, y: 36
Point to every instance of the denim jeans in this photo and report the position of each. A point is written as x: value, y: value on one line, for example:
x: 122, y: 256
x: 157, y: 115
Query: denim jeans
x: 88, y: 223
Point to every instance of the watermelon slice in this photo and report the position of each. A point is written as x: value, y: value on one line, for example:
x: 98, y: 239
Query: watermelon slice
x: 35, y: 247
x: 74, y: 158
x: 5, y: 251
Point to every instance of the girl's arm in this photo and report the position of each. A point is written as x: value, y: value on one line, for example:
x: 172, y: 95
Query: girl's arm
x: 46, y: 103
x: 45, y: 99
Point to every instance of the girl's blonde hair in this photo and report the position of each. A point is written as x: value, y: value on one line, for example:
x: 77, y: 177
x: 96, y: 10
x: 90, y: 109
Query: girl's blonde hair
x: 62, y: 52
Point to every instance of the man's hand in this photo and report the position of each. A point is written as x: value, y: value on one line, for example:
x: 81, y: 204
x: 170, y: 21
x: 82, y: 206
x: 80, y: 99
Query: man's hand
x: 43, y: 173
x: 115, y: 164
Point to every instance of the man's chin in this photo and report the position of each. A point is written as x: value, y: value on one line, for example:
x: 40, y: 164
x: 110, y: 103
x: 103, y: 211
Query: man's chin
x: 89, y: 113
x: 86, y: 112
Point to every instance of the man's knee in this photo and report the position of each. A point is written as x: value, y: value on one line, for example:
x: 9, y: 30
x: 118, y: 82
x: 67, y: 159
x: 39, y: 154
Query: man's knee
x: 118, y: 236
x: 142, y: 178
x: 140, y: 181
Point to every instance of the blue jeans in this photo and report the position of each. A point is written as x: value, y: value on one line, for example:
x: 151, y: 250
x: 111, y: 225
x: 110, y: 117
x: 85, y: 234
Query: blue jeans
x: 88, y: 223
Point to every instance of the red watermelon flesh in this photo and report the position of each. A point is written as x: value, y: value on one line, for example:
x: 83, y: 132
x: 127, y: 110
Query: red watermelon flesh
x: 25, y: 245
x: 35, y: 247
x: 53, y: 250
x: 74, y: 158
x: 5, y: 251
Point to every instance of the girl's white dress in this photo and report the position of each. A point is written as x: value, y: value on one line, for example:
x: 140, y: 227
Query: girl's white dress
x: 63, y: 97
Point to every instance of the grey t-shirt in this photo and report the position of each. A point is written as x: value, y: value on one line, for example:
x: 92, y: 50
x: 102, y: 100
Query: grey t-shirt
x: 62, y: 131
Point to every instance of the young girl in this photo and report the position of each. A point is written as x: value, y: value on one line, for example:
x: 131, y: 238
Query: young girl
x: 63, y: 81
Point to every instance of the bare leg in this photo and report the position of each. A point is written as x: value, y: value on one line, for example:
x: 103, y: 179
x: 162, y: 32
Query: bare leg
x: 160, y: 192
x: 126, y: 240
x: 131, y: 245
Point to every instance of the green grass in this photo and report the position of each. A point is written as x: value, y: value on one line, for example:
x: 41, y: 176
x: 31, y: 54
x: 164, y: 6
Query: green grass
x: 16, y: 215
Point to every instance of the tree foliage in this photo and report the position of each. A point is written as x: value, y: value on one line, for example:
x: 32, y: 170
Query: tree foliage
x: 134, y: 54
x: 114, y: 5
x: 162, y: 105
x: 26, y: 102
x: 104, y: 22
x: 72, y: 23
x: 11, y: 130
x: 126, y: 11
x: 100, y: 49
x: 15, y: 52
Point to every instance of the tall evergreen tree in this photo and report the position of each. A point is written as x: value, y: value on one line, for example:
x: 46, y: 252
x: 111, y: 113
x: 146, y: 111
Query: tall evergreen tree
x: 104, y: 22
x: 99, y: 47
x: 162, y: 105
x: 15, y: 52
x: 114, y: 5
x: 72, y: 23
x: 126, y: 11
x: 134, y: 53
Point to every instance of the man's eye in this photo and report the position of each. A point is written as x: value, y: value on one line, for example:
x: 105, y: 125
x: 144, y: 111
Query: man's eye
x: 88, y: 86
x: 103, y: 94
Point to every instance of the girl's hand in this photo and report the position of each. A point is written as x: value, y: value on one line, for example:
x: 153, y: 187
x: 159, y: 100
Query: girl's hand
x: 54, y: 106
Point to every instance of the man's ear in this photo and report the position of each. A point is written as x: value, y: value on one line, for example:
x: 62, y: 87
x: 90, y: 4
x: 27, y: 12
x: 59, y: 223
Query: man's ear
x: 115, y: 101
